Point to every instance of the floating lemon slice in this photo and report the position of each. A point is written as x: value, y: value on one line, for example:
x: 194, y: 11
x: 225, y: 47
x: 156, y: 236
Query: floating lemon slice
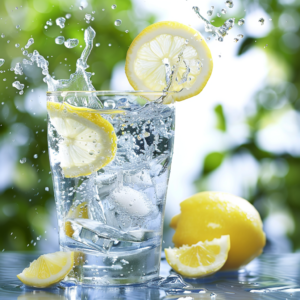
x: 160, y: 43
x: 201, y: 259
x: 48, y: 269
x: 88, y: 140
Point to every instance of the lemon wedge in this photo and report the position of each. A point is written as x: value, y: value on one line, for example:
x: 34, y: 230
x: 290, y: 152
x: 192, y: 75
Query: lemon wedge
x: 201, y: 259
x: 160, y: 43
x: 48, y: 269
x: 88, y: 140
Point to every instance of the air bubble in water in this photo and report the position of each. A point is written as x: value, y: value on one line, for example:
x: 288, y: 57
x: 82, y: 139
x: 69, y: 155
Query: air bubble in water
x: 229, y: 3
x: 3, y: 35
x: 35, y: 156
x: 98, y: 44
x: 118, y: 22
x: 18, y: 85
x: 261, y: 21
x: 241, y: 22
x: 114, y: 6
x: 71, y: 43
x: 2, y: 61
x: 29, y: 43
x: 68, y: 16
x: 23, y: 160
x: 110, y: 104
x: 59, y: 40
x: 61, y: 22
x: 223, y: 11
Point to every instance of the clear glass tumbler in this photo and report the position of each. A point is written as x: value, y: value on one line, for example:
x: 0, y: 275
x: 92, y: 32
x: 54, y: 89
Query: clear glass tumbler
x: 110, y: 155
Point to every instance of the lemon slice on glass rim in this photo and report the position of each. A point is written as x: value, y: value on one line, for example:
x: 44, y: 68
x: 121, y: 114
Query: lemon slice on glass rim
x: 160, y: 43
x: 88, y: 141
x: 201, y: 259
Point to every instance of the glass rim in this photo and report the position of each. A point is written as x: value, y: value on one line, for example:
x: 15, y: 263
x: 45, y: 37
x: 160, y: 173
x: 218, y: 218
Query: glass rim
x: 110, y: 93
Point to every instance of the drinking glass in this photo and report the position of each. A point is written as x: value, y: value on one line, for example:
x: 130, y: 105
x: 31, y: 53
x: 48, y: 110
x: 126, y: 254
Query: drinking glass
x: 110, y: 209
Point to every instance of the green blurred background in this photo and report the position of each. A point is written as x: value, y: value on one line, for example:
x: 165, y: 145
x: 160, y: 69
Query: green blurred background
x: 27, y: 204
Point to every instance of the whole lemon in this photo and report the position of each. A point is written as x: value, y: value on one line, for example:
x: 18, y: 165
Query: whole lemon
x: 210, y: 215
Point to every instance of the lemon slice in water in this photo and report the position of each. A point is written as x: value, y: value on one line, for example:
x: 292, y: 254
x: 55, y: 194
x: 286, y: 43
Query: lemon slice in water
x: 160, y: 43
x: 48, y: 269
x: 88, y: 140
x: 200, y: 259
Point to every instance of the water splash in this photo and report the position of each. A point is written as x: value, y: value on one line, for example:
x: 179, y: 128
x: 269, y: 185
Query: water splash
x: 19, y: 86
x: 2, y: 61
x: 218, y: 32
x: 71, y: 43
x: 60, y: 22
x: 29, y: 43
x: 18, y: 69
x: 59, y: 40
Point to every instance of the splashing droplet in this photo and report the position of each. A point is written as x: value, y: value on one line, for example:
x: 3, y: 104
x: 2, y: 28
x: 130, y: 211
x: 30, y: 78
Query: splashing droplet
x: 114, y: 6
x: 126, y: 31
x: 23, y: 160
x: 18, y: 26
x: 235, y: 40
x: 35, y: 156
x: 219, y: 15
x: 98, y: 44
x: 81, y: 7
x: 223, y: 11
x: 209, y: 12
x: 229, y: 3
x: 2, y: 61
x: 18, y: 69
x: 71, y: 43
x: 3, y: 35
x: 68, y: 16
x: 61, y: 22
x: 240, y: 36
x: 241, y: 22
x: 17, y: 45
x: 18, y: 85
x: 29, y: 43
x: 118, y: 22
x: 88, y: 17
x: 261, y: 21
x: 46, y: 189
x: 59, y: 40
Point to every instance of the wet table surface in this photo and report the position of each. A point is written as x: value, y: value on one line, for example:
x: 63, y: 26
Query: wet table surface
x: 268, y: 277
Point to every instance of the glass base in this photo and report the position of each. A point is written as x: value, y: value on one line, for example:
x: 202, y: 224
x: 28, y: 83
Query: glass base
x: 116, y: 268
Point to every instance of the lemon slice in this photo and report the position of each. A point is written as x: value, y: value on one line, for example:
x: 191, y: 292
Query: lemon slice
x: 162, y: 42
x: 88, y: 140
x: 48, y: 269
x: 203, y: 258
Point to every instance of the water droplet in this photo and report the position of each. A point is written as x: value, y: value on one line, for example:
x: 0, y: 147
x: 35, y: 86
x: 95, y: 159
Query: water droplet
x: 18, y: 85
x: 213, y: 295
x: 109, y: 45
x: 88, y: 17
x: 8, y: 41
x: 229, y: 3
x: 71, y: 43
x: 61, y: 22
x: 126, y: 31
x: 235, y: 40
x: 29, y: 43
x: 35, y: 156
x: 59, y: 40
x: 209, y: 12
x: 68, y: 16
x: 81, y: 7
x: 23, y: 160
x: 241, y: 22
x: 18, y: 26
x: 95, y: 238
x: 46, y: 27
x: 223, y: 11
x: 261, y: 21
x: 118, y: 22
x: 110, y: 104
x: 240, y: 36
x: 3, y: 35
x: 49, y: 23
x: 17, y: 45
x: 98, y: 44
x: 92, y: 152
x: 18, y: 69
x: 2, y: 61
x: 46, y: 189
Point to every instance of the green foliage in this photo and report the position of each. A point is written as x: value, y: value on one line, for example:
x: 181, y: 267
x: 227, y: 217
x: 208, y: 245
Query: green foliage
x: 26, y: 198
x: 221, y: 121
